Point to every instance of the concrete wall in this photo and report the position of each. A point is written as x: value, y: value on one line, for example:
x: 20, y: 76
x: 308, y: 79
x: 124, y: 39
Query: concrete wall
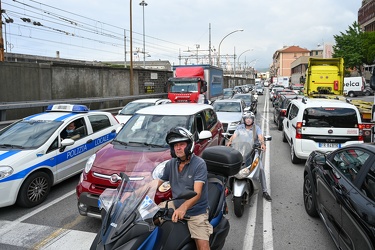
x: 21, y: 82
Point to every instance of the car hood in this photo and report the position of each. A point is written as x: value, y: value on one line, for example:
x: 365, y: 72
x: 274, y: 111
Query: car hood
x: 122, y: 119
x: 227, y: 117
x: 116, y: 158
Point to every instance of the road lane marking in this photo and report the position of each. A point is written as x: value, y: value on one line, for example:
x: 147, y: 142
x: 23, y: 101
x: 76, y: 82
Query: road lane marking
x: 267, y: 206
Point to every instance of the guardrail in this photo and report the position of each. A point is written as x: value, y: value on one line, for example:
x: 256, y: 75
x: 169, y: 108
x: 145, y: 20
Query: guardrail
x: 44, y: 103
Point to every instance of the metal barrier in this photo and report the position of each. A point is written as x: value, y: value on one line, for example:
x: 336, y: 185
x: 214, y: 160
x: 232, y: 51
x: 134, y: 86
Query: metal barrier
x: 44, y: 103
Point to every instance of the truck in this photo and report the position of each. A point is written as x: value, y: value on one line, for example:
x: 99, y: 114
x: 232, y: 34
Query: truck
x: 283, y: 80
x: 325, y: 79
x: 195, y: 84
x: 324, y: 76
x: 354, y: 86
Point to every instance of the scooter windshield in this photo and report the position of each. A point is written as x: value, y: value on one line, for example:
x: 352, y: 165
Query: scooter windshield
x: 244, y: 145
x: 131, y: 203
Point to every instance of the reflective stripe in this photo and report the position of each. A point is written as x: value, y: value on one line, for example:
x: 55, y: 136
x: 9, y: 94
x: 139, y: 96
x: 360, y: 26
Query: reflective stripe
x: 60, y: 158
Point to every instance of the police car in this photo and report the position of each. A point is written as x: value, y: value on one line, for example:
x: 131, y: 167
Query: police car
x: 37, y: 153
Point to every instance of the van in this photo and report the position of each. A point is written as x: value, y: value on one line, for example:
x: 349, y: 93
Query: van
x: 320, y: 124
x: 354, y: 86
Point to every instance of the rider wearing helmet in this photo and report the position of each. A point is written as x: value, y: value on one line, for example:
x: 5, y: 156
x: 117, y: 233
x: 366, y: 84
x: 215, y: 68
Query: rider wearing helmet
x: 254, y: 134
x: 188, y: 171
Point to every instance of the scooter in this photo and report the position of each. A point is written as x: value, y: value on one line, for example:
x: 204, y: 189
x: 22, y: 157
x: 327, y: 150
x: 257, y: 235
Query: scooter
x: 129, y: 212
x: 245, y: 182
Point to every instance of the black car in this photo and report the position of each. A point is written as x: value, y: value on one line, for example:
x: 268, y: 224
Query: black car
x: 249, y: 99
x: 280, y: 106
x: 340, y: 188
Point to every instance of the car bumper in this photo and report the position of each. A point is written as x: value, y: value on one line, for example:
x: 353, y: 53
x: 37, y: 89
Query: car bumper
x: 8, y: 192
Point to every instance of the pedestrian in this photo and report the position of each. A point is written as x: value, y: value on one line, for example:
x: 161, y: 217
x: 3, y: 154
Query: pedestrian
x: 187, y: 171
x: 246, y: 130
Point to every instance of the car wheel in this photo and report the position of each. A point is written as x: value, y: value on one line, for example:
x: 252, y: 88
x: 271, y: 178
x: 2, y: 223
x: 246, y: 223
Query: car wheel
x: 294, y: 158
x: 279, y: 125
x: 34, y: 190
x: 284, y: 137
x: 238, y: 206
x: 308, y: 197
x: 367, y: 93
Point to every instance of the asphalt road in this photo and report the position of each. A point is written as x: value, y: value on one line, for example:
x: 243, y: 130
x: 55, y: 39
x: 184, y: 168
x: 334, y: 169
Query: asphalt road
x: 281, y: 224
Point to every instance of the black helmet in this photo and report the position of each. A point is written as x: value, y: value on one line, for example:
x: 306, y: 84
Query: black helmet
x: 179, y: 134
x: 248, y: 115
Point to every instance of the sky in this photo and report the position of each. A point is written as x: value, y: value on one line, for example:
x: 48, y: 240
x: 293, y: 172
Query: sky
x: 175, y: 30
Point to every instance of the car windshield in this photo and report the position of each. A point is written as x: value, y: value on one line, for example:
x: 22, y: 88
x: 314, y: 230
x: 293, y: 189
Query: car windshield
x: 144, y: 129
x: 228, y: 93
x: 28, y: 134
x: 246, y: 98
x: 187, y: 86
x: 330, y: 117
x: 227, y: 107
x: 133, y: 107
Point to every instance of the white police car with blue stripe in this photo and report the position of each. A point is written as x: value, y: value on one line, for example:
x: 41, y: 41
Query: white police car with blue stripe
x: 44, y: 149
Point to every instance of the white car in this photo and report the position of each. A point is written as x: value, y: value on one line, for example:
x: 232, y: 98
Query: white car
x: 320, y: 124
x: 126, y: 112
x: 230, y: 113
x: 34, y: 156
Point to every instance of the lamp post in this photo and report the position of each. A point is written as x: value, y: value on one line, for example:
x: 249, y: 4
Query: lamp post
x: 143, y: 4
x: 131, y: 50
x: 218, y: 52
x: 238, y: 60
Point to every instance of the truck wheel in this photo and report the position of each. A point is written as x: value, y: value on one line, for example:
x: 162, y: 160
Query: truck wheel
x: 34, y: 190
x: 351, y: 94
x: 367, y: 93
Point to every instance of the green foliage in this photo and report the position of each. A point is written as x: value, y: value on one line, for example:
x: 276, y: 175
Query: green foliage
x: 369, y: 45
x: 351, y: 46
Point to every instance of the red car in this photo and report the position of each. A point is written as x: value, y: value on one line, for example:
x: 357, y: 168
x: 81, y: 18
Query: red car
x: 143, y: 138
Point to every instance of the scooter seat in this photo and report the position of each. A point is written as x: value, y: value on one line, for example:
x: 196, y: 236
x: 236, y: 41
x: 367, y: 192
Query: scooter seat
x: 215, y: 195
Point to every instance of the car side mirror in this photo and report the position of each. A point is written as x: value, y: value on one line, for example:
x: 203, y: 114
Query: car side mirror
x: 320, y: 160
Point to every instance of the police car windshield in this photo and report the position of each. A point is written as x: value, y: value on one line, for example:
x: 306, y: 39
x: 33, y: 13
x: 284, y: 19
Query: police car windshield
x: 28, y: 134
x: 150, y: 130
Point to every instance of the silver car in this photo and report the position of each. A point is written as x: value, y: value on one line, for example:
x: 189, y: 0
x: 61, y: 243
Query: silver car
x: 230, y: 112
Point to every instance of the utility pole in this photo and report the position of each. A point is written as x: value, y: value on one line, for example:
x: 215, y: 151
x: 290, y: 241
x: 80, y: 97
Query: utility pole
x: 1, y: 35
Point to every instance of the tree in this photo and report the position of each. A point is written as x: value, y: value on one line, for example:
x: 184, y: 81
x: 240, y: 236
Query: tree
x: 351, y: 47
x: 369, y: 45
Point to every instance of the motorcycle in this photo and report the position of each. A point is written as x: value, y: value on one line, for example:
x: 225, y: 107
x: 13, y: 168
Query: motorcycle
x: 244, y: 184
x: 129, y: 212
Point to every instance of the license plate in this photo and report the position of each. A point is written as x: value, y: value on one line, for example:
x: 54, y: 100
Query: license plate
x: 329, y: 145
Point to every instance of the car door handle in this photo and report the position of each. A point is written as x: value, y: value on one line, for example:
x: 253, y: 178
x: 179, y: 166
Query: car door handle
x: 89, y: 141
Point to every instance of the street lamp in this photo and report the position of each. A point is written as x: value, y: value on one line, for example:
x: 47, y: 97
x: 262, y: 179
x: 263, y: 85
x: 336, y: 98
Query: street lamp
x: 131, y: 50
x: 143, y: 4
x: 238, y: 60
x: 218, y: 52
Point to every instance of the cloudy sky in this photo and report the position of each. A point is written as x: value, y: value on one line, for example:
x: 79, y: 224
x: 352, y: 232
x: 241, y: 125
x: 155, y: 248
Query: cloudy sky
x: 175, y: 30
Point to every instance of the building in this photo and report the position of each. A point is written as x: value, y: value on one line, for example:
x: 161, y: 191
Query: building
x: 366, y: 15
x: 283, y: 58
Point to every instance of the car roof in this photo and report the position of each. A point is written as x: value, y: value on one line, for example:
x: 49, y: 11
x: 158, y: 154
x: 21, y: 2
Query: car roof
x: 229, y: 100
x: 148, y: 100
x: 175, y: 109
x: 322, y: 102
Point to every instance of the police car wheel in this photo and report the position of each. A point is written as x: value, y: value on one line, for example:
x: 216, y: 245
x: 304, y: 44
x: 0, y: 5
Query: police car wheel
x: 34, y: 190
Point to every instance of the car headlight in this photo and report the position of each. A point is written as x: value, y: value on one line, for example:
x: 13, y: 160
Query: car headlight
x: 89, y: 163
x: 159, y: 170
x: 5, y: 171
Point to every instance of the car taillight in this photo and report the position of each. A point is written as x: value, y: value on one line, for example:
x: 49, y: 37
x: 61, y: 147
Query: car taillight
x: 299, y: 130
x: 283, y: 112
x: 360, y: 132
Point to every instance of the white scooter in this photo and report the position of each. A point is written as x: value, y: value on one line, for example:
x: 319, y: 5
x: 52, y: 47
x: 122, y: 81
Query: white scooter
x: 246, y: 181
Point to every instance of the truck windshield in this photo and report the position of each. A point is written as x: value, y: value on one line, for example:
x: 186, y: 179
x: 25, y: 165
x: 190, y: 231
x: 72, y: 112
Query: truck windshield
x: 177, y: 87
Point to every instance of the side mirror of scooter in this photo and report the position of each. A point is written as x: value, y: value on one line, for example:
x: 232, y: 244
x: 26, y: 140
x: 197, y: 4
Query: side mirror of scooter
x: 267, y: 138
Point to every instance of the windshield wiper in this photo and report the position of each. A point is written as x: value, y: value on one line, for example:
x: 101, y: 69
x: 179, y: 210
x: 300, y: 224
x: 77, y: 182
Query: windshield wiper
x: 121, y: 142
x: 10, y: 146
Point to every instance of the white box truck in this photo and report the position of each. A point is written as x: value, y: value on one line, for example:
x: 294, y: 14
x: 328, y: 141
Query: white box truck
x: 354, y: 86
